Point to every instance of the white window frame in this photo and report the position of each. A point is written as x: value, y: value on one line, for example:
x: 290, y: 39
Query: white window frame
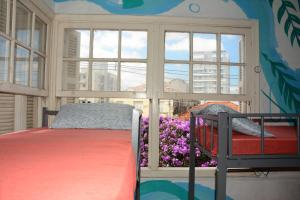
x: 9, y: 86
x: 156, y: 26
x: 100, y: 26
x: 90, y: 60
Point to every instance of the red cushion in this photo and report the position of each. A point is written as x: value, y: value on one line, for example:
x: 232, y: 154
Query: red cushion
x: 284, y: 142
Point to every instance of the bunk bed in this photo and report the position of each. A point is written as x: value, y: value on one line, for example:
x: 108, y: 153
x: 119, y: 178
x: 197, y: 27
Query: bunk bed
x: 214, y: 134
x: 72, y: 163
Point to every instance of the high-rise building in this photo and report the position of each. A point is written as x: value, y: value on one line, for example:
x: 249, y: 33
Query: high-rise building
x: 205, y: 75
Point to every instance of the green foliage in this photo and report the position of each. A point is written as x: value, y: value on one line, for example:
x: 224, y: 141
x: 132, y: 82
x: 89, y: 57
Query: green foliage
x: 291, y: 22
x: 285, y: 80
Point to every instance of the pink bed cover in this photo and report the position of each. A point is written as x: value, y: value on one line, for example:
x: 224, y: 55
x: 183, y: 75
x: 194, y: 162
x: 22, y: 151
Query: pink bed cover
x: 67, y: 164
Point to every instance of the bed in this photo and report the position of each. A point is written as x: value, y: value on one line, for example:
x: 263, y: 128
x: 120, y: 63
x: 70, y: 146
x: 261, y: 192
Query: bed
x: 234, y: 151
x: 71, y: 163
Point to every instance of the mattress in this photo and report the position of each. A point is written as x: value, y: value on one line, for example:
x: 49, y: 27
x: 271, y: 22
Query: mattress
x: 67, y: 164
x: 284, y: 142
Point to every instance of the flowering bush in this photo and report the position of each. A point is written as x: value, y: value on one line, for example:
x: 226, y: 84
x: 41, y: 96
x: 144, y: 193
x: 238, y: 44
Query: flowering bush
x: 174, y: 146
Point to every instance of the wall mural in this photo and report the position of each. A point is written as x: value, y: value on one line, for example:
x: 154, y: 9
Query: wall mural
x: 279, y: 39
x: 167, y: 190
x: 283, y: 79
x: 135, y: 7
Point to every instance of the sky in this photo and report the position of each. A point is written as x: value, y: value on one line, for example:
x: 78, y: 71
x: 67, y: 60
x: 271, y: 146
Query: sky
x: 134, y: 45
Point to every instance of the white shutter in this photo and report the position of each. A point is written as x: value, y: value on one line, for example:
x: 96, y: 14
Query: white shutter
x: 29, y: 114
x: 7, y: 111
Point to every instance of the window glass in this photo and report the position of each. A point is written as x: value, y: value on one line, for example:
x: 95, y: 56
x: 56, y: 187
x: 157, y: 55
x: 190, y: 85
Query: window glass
x: 4, y: 58
x: 134, y: 44
x: 23, y: 24
x: 204, y: 78
x: 4, y: 24
x: 37, y: 71
x: 231, y: 79
x: 76, y: 43
x: 133, y: 76
x: 176, y: 78
x: 105, y: 44
x: 177, y: 46
x: 40, y: 29
x: 204, y: 47
x: 105, y: 76
x: 232, y: 48
x: 21, y: 66
x: 75, y: 75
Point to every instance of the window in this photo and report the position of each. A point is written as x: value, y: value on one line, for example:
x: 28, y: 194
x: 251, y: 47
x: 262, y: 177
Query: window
x: 109, y: 60
x: 4, y: 58
x: 28, y: 41
x: 4, y: 16
x: 4, y: 41
x: 172, y: 65
x: 23, y: 24
x: 195, y: 63
x: 30, y: 50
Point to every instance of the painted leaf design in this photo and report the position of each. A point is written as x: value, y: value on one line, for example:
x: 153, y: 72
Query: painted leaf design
x: 294, y: 18
x: 289, y: 4
x: 293, y: 36
x: 287, y: 25
x: 271, y: 2
x: 292, y: 21
x: 287, y: 83
x: 281, y: 12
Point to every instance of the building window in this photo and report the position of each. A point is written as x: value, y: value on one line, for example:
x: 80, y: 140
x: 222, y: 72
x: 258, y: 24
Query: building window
x: 111, y: 60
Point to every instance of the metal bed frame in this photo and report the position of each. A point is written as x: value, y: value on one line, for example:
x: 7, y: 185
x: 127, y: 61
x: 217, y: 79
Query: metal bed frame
x: 47, y: 112
x: 226, y: 160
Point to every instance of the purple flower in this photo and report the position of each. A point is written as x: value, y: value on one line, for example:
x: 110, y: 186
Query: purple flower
x: 174, y: 144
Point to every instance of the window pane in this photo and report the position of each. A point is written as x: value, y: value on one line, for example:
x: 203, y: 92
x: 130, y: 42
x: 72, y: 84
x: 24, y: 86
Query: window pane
x: 105, y: 76
x: 37, y: 72
x: 204, y: 47
x: 177, y: 46
x: 75, y: 75
x: 232, y: 79
x: 134, y: 44
x: 105, y: 44
x: 176, y: 78
x: 76, y: 43
x: 133, y: 77
x: 4, y: 25
x: 21, y: 66
x: 4, y: 58
x: 204, y: 78
x: 232, y: 48
x: 23, y: 24
x: 39, y: 40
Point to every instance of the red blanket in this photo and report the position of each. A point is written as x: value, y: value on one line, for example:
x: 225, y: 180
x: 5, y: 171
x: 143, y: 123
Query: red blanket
x: 67, y: 164
x: 284, y: 142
